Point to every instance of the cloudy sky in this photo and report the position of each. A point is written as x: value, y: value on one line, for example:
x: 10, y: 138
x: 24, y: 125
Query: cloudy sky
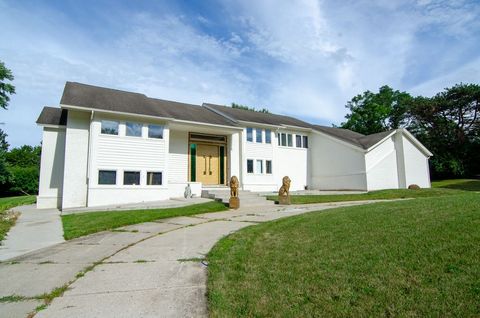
x: 302, y: 58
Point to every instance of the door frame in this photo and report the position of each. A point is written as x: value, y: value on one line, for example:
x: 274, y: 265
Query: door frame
x: 211, y: 140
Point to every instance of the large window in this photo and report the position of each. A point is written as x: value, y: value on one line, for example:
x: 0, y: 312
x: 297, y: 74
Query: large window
x: 155, y: 131
x: 154, y: 178
x: 268, y: 166
x: 305, y: 141
x: 258, y: 132
x: 249, y: 166
x: 107, y: 177
x: 284, y: 139
x: 290, y: 140
x: 109, y: 127
x: 249, y: 134
x: 133, y: 129
x: 259, y: 168
x: 268, y: 136
x: 298, y: 141
x: 131, y: 177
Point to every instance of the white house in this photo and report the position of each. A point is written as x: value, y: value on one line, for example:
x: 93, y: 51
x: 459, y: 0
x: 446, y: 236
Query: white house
x: 104, y: 146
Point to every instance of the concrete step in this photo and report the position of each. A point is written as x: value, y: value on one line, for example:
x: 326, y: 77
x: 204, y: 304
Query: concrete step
x: 247, y: 198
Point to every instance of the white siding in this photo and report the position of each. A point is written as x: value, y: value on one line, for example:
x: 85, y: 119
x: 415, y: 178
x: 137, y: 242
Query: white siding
x: 51, y: 168
x: 76, y: 156
x: 336, y: 165
x: 178, y: 157
x: 381, y: 164
x: 416, y: 165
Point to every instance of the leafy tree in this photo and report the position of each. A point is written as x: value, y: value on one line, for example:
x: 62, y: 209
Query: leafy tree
x: 24, y: 156
x: 4, y: 173
x: 5, y: 88
x: 376, y: 112
x: 238, y: 106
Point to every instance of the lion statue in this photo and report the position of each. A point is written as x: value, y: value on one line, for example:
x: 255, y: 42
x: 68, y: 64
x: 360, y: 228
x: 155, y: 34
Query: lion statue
x: 285, y: 188
x: 234, y: 186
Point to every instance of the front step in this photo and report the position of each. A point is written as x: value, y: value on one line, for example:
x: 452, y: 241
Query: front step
x: 247, y: 198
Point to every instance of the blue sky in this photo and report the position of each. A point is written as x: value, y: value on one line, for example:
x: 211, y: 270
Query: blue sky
x: 301, y: 58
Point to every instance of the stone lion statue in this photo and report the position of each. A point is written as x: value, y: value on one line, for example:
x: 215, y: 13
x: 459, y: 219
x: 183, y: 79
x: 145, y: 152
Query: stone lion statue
x: 234, y: 186
x: 285, y: 188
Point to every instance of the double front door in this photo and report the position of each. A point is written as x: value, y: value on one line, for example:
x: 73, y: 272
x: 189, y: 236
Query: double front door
x: 208, y: 164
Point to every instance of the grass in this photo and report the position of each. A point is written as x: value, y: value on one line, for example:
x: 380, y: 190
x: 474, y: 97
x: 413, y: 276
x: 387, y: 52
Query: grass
x: 439, y: 188
x: 407, y: 258
x: 76, y: 225
x: 5, y: 205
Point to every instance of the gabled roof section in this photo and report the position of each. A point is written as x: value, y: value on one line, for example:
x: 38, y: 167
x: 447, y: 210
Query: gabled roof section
x: 257, y: 117
x: 107, y: 99
x: 354, y: 138
x: 53, y: 116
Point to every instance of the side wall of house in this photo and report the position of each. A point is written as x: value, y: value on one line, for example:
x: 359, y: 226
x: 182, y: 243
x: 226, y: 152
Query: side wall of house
x: 292, y: 162
x: 381, y: 166
x: 51, y: 168
x: 416, y: 165
x: 335, y: 165
x: 76, y: 156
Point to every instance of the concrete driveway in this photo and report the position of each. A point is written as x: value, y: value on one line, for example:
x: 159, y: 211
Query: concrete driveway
x: 152, y: 269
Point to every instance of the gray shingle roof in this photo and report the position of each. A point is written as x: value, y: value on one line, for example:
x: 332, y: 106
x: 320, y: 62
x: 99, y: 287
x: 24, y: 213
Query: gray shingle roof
x: 53, y: 116
x: 257, y: 117
x: 354, y: 138
x: 77, y: 94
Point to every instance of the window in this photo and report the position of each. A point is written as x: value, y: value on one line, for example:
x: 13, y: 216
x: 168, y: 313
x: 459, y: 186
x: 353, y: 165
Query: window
x: 109, y: 127
x: 278, y: 137
x: 133, y: 129
x: 107, y: 177
x: 284, y: 139
x: 131, y: 177
x: 305, y: 141
x: 249, y: 166
x: 268, y: 136
x: 268, y: 166
x: 259, y: 135
x: 154, y: 178
x: 155, y: 131
x: 259, y: 166
x: 290, y: 141
x: 298, y: 141
x: 250, y: 134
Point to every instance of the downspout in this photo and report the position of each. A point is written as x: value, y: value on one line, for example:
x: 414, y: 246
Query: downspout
x: 88, y: 156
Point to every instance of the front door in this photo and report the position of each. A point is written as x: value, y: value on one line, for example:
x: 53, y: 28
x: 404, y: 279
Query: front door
x: 208, y: 164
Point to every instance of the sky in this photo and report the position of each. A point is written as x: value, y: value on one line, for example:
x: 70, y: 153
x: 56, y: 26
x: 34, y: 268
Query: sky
x: 301, y: 58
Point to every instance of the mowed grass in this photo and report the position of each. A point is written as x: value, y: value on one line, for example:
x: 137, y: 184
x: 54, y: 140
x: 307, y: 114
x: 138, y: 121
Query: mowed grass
x: 5, y: 205
x: 439, y: 188
x: 80, y: 224
x: 414, y: 258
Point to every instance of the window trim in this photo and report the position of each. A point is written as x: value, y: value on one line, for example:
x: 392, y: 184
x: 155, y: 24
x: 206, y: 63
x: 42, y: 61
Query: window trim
x: 132, y: 171
x: 290, y: 140
x: 271, y: 167
x: 261, y: 166
x: 305, y: 142
x: 106, y: 184
x: 251, y: 134
x: 268, y: 133
x: 298, y: 141
x: 257, y: 131
x: 153, y: 185
x: 253, y: 166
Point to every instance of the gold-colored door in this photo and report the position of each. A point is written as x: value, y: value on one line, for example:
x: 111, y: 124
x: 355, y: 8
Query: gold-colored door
x: 207, y: 166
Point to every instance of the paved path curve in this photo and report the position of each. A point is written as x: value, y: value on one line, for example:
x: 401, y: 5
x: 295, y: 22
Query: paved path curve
x: 146, y: 270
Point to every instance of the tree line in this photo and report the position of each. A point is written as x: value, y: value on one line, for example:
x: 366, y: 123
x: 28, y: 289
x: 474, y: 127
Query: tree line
x: 447, y: 124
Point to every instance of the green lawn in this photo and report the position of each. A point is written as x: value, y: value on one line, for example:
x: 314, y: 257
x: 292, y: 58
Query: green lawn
x: 414, y: 258
x: 439, y: 188
x: 8, y: 203
x: 80, y: 224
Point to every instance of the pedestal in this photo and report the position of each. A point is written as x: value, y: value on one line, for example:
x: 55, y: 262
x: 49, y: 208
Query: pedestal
x: 284, y: 200
x: 234, y: 203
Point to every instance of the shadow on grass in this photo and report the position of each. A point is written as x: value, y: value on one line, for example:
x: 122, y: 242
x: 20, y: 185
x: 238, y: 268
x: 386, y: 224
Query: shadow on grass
x: 465, y: 185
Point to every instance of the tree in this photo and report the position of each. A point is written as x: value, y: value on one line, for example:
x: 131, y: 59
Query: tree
x: 239, y: 106
x: 5, y: 88
x: 4, y: 173
x: 376, y: 112
x: 24, y: 156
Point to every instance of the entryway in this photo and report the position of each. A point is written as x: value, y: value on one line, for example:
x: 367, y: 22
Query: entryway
x: 207, y: 158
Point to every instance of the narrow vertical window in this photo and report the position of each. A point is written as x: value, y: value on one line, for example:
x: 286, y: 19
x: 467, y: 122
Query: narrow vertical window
x: 268, y: 166
x: 193, y: 162
x: 278, y: 137
x: 284, y: 139
x: 259, y: 166
x: 268, y: 136
x: 259, y: 138
x: 305, y: 141
x: 298, y: 141
x: 249, y: 166
x: 249, y: 134
x: 290, y: 140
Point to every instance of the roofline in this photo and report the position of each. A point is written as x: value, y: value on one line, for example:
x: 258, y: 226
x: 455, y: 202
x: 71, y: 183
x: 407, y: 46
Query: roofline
x: 297, y: 127
x: 253, y: 123
x: 381, y: 140
x: 346, y: 143
x: 216, y: 111
x: 51, y: 126
x: 170, y: 119
x: 415, y: 141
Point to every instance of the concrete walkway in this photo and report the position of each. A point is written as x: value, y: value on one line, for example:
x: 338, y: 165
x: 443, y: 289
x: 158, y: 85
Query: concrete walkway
x: 33, y: 230
x: 151, y: 269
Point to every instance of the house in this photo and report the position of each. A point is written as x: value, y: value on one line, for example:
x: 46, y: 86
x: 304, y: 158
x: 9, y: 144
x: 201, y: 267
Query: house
x: 104, y: 146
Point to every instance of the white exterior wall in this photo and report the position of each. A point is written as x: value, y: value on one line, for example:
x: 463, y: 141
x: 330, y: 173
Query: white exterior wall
x: 291, y: 162
x: 381, y: 166
x: 51, y: 168
x: 416, y: 165
x: 126, y: 153
x: 336, y: 165
x: 76, y: 157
